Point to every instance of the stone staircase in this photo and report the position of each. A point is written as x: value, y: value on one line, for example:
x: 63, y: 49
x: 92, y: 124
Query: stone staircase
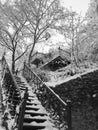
x: 35, y: 115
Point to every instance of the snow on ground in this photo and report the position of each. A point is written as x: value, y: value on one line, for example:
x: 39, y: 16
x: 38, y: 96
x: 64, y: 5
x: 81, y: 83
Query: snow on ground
x: 59, y: 78
x: 2, y: 128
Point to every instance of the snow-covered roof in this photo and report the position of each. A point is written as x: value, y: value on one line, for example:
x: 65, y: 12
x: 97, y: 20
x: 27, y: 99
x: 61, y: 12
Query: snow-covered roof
x: 56, y: 56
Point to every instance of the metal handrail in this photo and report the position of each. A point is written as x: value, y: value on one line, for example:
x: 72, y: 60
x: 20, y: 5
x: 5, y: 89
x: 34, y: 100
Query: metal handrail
x: 12, y: 76
x: 29, y: 74
x: 12, y: 85
x: 56, y: 95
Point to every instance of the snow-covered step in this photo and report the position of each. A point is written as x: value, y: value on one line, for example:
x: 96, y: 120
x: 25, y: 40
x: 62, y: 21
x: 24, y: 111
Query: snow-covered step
x: 35, y: 113
x: 46, y: 125
x: 33, y: 102
x: 30, y: 94
x: 39, y: 119
x: 37, y: 106
x: 33, y: 126
x: 32, y: 98
x: 32, y: 108
x: 35, y: 116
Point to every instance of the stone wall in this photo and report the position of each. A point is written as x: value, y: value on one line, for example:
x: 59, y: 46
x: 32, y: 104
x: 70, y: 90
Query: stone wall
x: 83, y: 94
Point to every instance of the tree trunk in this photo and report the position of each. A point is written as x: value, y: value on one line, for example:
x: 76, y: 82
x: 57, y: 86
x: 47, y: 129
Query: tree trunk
x: 13, y: 62
x: 32, y: 49
x: 73, y: 56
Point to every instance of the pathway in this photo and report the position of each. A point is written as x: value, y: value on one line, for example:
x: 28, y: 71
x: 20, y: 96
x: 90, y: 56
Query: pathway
x: 36, y: 117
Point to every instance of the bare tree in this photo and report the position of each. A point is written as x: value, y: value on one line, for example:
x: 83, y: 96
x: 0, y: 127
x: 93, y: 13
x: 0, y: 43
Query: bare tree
x: 42, y: 15
x: 69, y: 27
x: 11, y: 30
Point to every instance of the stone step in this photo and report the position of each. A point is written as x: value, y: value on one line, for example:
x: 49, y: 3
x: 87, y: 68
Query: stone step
x: 32, y: 102
x: 32, y: 107
x: 46, y: 125
x: 32, y: 98
x: 35, y: 113
x: 33, y: 126
x: 22, y: 88
x: 35, y: 116
x: 38, y: 119
x: 30, y: 94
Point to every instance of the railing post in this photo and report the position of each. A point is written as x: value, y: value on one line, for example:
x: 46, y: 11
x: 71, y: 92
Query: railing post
x: 24, y: 69
x: 69, y: 116
x: 22, y: 111
x: 36, y: 80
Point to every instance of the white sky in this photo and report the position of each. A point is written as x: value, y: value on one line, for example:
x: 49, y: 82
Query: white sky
x: 80, y: 6
x: 77, y: 5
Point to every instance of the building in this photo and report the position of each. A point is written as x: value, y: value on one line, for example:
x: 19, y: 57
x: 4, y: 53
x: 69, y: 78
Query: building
x: 59, y: 59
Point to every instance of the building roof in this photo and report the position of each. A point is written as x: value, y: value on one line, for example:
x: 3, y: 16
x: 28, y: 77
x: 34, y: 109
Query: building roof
x: 58, y: 54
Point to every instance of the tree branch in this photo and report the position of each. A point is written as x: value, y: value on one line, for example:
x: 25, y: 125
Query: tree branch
x: 6, y: 43
x: 23, y: 53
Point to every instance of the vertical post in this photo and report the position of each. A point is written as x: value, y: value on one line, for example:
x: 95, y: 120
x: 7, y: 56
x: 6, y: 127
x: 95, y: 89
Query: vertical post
x: 23, y: 69
x: 37, y: 82
x: 1, y: 98
x: 22, y: 111
x: 69, y: 116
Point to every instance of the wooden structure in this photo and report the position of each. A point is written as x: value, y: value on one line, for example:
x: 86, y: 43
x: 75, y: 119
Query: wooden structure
x: 49, y: 99
x: 56, y: 63
x: 13, y: 88
x: 59, y: 59
x: 11, y: 97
